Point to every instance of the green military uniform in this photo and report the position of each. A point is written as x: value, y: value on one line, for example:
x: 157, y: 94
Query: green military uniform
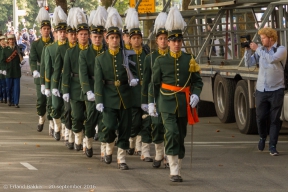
x: 86, y: 73
x: 56, y: 82
x: 57, y: 106
x: 173, y: 69
x: 3, y: 96
x: 157, y: 125
x: 35, y: 59
x: 71, y: 84
x: 139, y: 124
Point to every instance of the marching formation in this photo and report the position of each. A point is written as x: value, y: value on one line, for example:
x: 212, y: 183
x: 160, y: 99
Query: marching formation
x: 97, y: 81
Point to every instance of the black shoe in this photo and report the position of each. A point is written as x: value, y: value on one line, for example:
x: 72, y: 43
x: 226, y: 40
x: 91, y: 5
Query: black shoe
x: 108, y: 159
x: 89, y: 152
x: 261, y: 144
x: 5, y: 101
x: 147, y: 159
x: 273, y: 151
x: 17, y: 106
x: 57, y: 135
x: 70, y: 145
x: 78, y: 147
x: 123, y: 166
x: 96, y: 137
x: 138, y: 153
x: 9, y: 104
x: 174, y: 178
x: 131, y: 151
x: 156, y: 163
x: 40, y: 127
x: 180, y: 178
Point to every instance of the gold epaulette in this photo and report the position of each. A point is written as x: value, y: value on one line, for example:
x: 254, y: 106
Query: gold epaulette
x: 194, y: 66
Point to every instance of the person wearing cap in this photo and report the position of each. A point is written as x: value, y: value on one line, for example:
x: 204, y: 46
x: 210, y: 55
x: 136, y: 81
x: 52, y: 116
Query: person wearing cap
x: 157, y: 127
x: 56, y: 101
x: 140, y: 129
x: 35, y: 61
x: 126, y: 38
x: 86, y: 75
x: 3, y: 95
x: 176, y: 76
x: 113, y: 93
x: 70, y: 78
x: 12, y: 71
x: 56, y: 84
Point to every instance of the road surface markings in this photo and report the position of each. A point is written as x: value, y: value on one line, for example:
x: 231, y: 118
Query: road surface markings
x: 28, y: 166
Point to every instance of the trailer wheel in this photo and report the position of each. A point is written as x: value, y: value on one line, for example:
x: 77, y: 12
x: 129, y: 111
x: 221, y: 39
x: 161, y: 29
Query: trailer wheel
x: 245, y: 117
x: 223, y: 98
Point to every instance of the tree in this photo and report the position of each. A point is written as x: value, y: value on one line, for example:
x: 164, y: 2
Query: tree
x: 62, y: 4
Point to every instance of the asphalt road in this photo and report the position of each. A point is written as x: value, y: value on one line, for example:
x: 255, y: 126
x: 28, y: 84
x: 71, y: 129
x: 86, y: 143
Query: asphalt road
x: 223, y: 159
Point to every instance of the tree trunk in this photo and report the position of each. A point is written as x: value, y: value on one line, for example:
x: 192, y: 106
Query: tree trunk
x: 62, y: 4
x: 185, y: 4
x: 106, y: 3
x: 146, y: 31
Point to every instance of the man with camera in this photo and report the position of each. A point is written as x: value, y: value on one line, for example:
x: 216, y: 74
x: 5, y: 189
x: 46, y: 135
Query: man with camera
x: 269, y: 94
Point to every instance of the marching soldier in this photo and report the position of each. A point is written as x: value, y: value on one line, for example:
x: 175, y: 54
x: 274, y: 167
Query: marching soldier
x: 70, y: 78
x: 126, y: 38
x: 113, y: 92
x: 57, y: 107
x: 56, y: 84
x: 177, y: 75
x: 3, y: 95
x: 157, y: 125
x: 11, y: 59
x: 35, y: 60
x: 138, y: 110
x: 86, y: 73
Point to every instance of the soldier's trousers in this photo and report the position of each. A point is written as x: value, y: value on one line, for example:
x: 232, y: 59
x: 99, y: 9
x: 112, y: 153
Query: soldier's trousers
x: 117, y: 119
x: 93, y: 118
x: 78, y: 115
x: 49, y: 108
x: 3, y: 95
x: 158, y: 129
x: 58, y: 108
x: 175, y: 133
x: 67, y: 115
x: 141, y: 126
x: 41, y: 102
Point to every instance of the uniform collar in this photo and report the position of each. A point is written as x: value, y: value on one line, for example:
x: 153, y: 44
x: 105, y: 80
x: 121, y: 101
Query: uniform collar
x: 127, y: 46
x: 114, y: 52
x: 175, y: 55
x: 71, y: 45
x: 163, y: 52
x: 61, y: 43
x: 138, y: 51
x: 45, y: 40
x: 83, y: 47
x: 97, y: 48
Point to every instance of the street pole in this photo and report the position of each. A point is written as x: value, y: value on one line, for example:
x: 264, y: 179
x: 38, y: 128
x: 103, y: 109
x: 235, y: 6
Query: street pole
x: 15, y: 15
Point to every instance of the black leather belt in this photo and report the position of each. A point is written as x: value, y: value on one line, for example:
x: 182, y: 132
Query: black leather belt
x: 74, y: 75
x: 116, y: 83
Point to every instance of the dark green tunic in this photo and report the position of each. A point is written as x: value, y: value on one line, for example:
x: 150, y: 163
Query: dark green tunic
x: 12, y: 68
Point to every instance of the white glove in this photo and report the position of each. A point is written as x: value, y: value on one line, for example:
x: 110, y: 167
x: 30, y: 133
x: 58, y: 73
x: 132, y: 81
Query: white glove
x: 152, y: 110
x: 43, y: 89
x: 144, y: 107
x: 66, y: 97
x: 47, y: 92
x: 100, y: 107
x: 23, y: 62
x: 90, y: 96
x: 56, y: 92
x: 0, y: 71
x: 194, y: 99
x: 4, y: 72
x: 36, y: 74
x: 134, y: 82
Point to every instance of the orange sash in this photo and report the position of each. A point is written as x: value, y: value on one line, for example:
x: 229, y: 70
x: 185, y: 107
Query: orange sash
x: 191, y: 113
x: 12, y: 56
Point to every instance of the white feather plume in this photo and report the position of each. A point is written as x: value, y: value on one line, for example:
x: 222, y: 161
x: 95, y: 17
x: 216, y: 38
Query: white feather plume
x: 113, y: 19
x: 92, y: 14
x: 59, y: 16
x: 78, y: 17
x: 174, y: 20
x: 132, y: 20
x: 70, y: 16
x: 42, y: 15
x: 160, y: 21
x: 100, y: 16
